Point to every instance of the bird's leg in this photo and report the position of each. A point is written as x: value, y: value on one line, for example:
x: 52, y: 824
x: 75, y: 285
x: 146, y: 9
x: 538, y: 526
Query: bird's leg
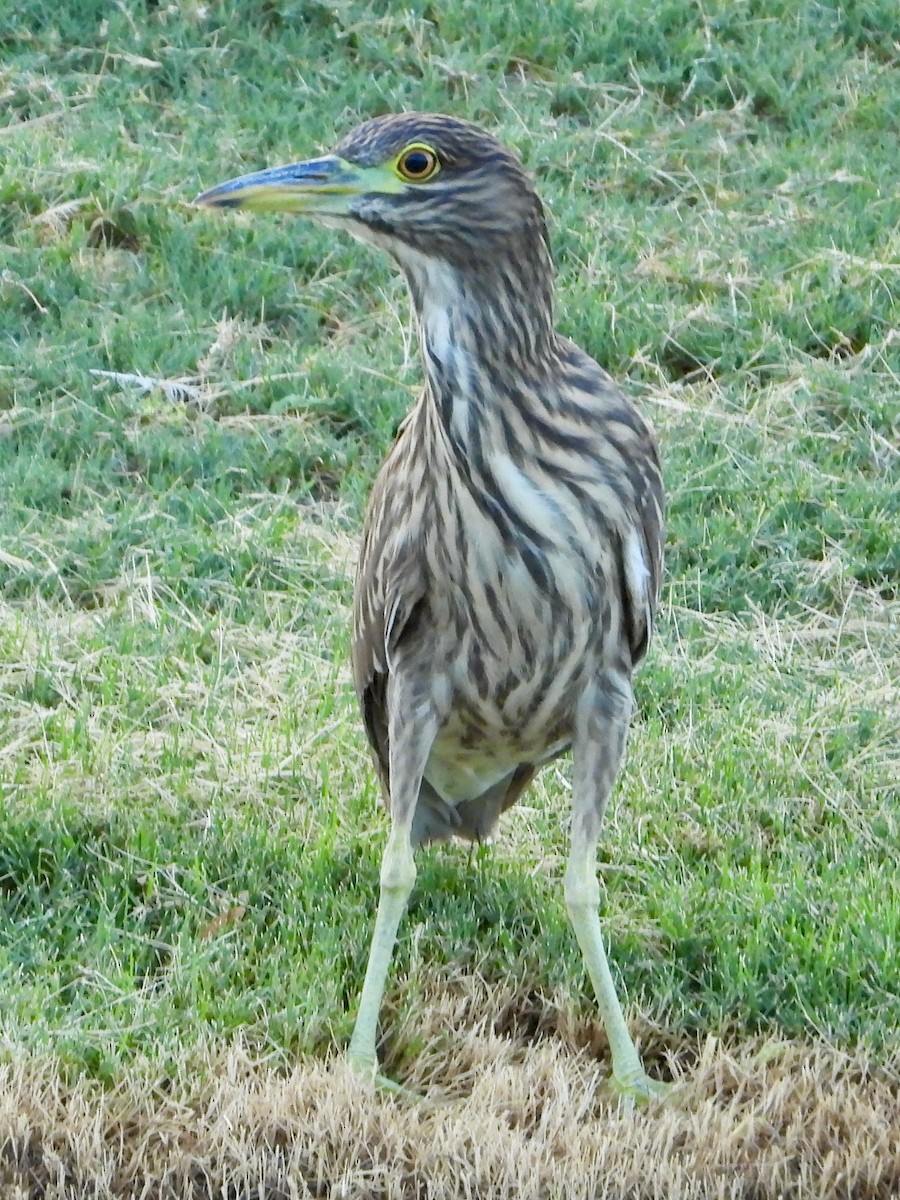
x: 412, y: 727
x: 599, y: 744
x: 398, y: 874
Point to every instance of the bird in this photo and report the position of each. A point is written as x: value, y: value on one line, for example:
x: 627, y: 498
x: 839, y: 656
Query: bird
x: 512, y: 552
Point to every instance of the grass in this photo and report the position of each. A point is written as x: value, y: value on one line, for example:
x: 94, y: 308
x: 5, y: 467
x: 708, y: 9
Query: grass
x: 189, y: 830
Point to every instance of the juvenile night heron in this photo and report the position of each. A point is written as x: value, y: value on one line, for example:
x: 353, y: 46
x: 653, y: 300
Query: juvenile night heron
x: 512, y: 552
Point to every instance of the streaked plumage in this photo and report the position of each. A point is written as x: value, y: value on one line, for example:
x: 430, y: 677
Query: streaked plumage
x: 512, y: 551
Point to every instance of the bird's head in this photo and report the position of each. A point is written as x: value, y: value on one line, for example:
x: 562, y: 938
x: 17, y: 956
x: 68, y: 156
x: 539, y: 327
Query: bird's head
x: 412, y: 183
x: 456, y: 210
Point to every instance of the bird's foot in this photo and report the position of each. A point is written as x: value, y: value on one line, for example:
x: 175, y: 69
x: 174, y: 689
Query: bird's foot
x: 366, y: 1067
x: 636, y: 1087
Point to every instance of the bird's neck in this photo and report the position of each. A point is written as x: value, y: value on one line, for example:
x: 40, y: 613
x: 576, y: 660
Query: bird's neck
x: 487, y: 335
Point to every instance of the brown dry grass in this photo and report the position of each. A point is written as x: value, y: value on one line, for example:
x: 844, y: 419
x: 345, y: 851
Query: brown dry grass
x: 514, y: 1114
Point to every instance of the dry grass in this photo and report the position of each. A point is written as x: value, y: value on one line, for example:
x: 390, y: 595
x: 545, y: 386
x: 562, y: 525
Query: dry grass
x: 191, y: 413
x: 517, y: 1112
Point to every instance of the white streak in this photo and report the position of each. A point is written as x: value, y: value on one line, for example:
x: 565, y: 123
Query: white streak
x: 441, y: 315
x: 637, y: 577
x: 525, y: 497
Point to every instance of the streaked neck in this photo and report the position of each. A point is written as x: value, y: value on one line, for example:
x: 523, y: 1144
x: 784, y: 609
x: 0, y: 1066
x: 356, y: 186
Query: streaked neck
x: 485, y: 334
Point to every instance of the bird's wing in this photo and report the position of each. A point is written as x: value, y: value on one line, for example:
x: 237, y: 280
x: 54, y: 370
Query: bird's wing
x: 633, y: 522
x: 643, y: 547
x: 389, y: 597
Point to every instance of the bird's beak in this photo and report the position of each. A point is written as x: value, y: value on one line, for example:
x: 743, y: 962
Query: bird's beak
x: 319, y: 187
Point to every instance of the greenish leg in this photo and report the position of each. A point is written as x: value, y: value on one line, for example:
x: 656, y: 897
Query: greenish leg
x: 398, y: 874
x: 599, y: 746
x: 412, y: 728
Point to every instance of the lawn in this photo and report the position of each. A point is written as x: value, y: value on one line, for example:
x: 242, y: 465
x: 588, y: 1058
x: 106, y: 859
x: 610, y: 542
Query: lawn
x: 192, y: 410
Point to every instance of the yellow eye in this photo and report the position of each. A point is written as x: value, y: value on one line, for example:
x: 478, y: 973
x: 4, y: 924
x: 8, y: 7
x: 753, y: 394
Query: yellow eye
x: 418, y: 163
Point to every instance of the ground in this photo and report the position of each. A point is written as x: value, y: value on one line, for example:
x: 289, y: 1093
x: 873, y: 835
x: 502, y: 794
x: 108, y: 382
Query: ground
x: 192, y: 410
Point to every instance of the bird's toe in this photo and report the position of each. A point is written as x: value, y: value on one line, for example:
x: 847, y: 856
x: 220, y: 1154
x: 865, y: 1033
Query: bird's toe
x: 365, y: 1066
x: 637, y: 1087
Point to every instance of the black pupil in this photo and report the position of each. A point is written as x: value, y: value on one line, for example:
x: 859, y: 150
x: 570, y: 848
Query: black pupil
x: 417, y: 162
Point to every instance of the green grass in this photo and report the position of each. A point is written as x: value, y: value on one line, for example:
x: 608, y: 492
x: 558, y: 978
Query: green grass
x: 189, y: 829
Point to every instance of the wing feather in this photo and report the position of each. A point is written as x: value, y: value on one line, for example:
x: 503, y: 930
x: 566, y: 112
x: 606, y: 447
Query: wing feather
x: 389, y: 596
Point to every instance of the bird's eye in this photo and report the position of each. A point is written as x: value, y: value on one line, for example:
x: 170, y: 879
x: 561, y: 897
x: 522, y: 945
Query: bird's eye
x: 418, y: 163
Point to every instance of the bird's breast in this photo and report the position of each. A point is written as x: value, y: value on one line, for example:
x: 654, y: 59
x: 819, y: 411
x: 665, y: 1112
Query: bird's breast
x: 513, y: 575
x: 519, y: 629
x: 519, y: 644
